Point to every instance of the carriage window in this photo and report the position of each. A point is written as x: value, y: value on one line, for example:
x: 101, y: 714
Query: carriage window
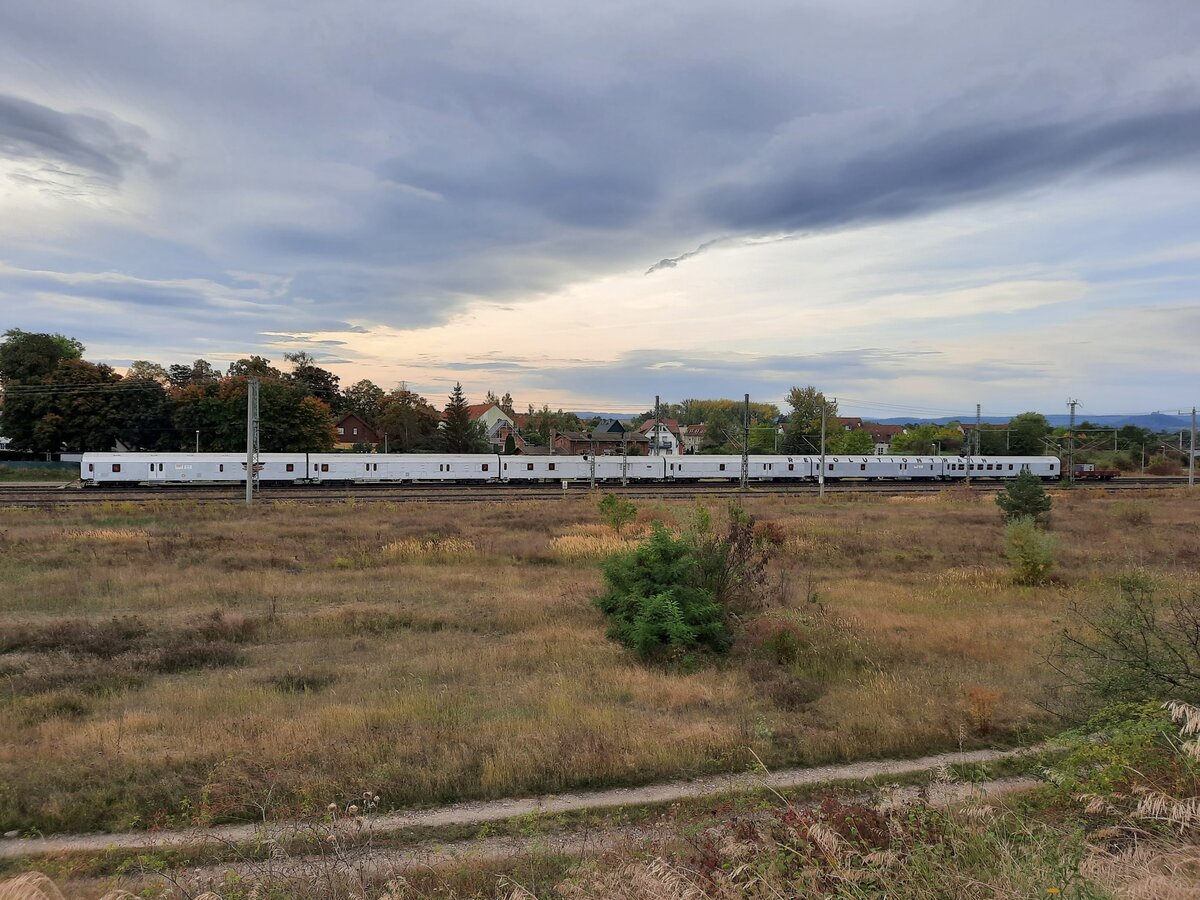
x: 529, y: 467
x: 484, y: 469
x: 324, y: 467
x: 291, y: 467
x: 722, y: 467
x: 1010, y: 465
x: 551, y: 467
x: 862, y: 467
x: 221, y: 467
x: 831, y: 467
x: 791, y: 466
x: 116, y: 467
x: 91, y: 468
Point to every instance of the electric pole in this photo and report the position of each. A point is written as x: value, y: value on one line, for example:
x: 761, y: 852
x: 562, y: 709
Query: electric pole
x: 624, y: 457
x: 821, y: 474
x: 1071, y: 444
x: 1192, y: 453
x: 746, y: 444
x: 657, y: 425
x: 251, y: 437
x: 978, y: 426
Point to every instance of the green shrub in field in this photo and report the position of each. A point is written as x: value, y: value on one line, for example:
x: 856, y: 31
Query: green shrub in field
x: 617, y: 512
x: 656, y: 601
x: 1030, y: 551
x: 1024, y: 497
x: 1134, y: 647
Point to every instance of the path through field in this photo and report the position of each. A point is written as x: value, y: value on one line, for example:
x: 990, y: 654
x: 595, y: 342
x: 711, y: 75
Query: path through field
x: 468, y: 814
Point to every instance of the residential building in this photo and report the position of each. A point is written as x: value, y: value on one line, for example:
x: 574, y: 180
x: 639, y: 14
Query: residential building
x: 882, y: 435
x: 693, y: 437
x: 609, y: 443
x: 351, y: 430
x: 663, y: 436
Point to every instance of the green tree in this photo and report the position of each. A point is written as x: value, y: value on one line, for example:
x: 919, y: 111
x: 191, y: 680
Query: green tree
x: 1030, y: 550
x: 925, y: 440
x: 1026, y: 434
x: 254, y: 367
x: 363, y: 398
x: 459, y: 434
x: 318, y: 382
x: 855, y: 443
x: 29, y: 356
x: 199, y: 372
x: 1024, y: 498
x: 290, y: 419
x: 617, y: 512
x: 409, y: 421
x: 654, y: 601
x: 55, y: 399
x: 803, y: 434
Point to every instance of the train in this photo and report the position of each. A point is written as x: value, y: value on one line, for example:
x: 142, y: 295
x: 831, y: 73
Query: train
x: 115, y: 469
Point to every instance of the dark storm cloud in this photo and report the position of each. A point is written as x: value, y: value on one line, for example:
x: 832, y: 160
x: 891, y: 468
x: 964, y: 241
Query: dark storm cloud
x: 394, y: 163
x: 884, y: 168
x: 102, y: 146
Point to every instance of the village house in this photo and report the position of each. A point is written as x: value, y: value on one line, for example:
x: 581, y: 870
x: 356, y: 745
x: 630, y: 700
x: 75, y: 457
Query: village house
x: 663, y: 436
x: 693, y: 437
x: 604, y: 443
x: 353, y: 429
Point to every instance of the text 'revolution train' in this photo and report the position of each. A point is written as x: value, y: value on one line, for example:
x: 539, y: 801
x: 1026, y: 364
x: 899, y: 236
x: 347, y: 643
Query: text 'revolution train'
x: 400, y: 468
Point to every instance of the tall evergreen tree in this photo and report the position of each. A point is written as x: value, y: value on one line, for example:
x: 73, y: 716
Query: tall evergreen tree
x: 459, y: 434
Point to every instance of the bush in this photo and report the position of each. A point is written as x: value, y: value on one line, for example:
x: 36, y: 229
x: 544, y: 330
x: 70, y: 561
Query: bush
x: 1136, y: 647
x: 1024, y: 498
x: 1030, y: 551
x: 617, y: 512
x: 656, y: 601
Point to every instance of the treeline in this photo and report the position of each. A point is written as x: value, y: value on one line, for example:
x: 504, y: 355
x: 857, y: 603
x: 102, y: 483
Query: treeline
x: 54, y: 399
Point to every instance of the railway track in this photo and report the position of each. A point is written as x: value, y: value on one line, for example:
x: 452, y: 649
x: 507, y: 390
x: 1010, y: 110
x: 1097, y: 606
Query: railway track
x: 57, y: 494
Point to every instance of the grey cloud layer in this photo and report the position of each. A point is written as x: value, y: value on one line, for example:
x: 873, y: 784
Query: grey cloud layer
x: 101, y: 146
x: 390, y: 163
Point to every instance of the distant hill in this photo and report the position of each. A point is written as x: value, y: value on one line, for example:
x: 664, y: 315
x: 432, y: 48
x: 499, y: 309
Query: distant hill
x: 1153, y: 421
x: 622, y: 417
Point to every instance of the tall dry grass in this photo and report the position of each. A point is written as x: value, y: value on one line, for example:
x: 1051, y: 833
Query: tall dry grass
x: 489, y: 673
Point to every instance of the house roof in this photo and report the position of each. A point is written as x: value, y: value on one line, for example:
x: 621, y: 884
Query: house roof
x: 695, y: 430
x: 847, y: 422
x: 476, y: 411
x: 878, y: 431
x: 601, y: 437
x: 672, y: 425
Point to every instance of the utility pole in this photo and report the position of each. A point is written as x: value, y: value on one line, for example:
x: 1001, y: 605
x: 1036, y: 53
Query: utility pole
x: 1192, y: 452
x: 1071, y: 444
x: 592, y: 460
x: 657, y: 425
x: 970, y: 438
x: 197, y: 440
x: 978, y: 426
x: 624, y: 457
x: 385, y: 443
x: 251, y: 437
x: 821, y: 475
x: 746, y: 444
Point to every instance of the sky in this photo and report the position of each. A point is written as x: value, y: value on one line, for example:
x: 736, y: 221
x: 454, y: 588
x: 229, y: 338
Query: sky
x: 915, y: 207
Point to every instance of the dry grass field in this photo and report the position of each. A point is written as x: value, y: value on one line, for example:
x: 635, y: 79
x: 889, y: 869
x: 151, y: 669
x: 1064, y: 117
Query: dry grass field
x: 172, y: 663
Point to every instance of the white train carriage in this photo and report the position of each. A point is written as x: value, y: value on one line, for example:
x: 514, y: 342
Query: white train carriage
x: 544, y: 468
x: 186, y: 468
x: 401, y: 467
x: 633, y: 468
x: 1001, y: 466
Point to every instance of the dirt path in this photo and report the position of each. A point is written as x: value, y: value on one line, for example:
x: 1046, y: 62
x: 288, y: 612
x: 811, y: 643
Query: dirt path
x: 495, y: 810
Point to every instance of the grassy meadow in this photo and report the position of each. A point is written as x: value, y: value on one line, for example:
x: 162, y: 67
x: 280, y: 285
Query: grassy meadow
x: 167, y: 663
